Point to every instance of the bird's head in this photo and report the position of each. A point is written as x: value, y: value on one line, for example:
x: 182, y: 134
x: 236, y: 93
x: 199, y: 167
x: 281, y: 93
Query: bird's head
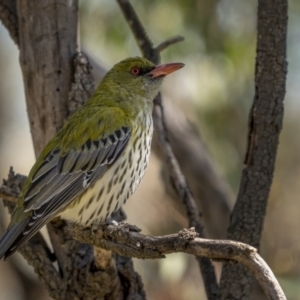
x: 138, y: 76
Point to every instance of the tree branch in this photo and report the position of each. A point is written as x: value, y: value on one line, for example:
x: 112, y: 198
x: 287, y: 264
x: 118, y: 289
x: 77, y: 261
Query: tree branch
x: 126, y: 240
x: 265, y: 123
x: 183, y: 192
x: 139, y: 32
x: 164, y: 45
x: 130, y: 243
x: 177, y: 178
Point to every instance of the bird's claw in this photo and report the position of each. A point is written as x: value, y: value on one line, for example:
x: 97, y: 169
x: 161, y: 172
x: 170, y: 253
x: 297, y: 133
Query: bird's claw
x: 129, y: 227
x: 122, y: 225
x: 111, y: 221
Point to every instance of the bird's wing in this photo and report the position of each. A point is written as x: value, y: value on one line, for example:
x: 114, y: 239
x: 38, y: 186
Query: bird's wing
x: 57, y: 174
x: 60, y: 179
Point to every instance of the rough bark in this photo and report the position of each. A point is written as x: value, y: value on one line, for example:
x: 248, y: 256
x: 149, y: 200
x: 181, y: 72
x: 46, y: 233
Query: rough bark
x: 47, y: 42
x: 265, y: 123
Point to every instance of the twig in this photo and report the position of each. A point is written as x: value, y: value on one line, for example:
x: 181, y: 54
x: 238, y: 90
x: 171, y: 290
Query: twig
x: 139, y: 32
x: 164, y: 45
x: 176, y: 176
x: 182, y: 190
x: 178, y: 180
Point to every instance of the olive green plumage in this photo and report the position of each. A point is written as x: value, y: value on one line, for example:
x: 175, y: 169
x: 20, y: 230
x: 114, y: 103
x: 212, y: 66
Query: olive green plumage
x: 97, y: 160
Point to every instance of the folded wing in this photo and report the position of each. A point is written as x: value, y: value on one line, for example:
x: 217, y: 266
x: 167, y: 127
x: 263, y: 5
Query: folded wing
x: 59, y: 180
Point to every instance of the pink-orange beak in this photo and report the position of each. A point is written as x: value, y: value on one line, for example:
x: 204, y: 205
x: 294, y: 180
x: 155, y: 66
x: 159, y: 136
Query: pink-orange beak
x: 163, y: 70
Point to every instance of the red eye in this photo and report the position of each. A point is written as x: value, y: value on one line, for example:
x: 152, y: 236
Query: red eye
x: 135, y: 71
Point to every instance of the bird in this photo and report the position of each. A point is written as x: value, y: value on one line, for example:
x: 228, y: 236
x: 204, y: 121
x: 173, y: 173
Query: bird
x: 98, y: 158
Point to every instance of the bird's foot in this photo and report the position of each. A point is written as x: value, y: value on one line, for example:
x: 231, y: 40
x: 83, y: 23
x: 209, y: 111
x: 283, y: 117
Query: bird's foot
x: 129, y: 227
x: 122, y: 225
x: 111, y: 221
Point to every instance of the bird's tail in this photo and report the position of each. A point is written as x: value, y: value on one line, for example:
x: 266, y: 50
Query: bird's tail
x: 9, y: 243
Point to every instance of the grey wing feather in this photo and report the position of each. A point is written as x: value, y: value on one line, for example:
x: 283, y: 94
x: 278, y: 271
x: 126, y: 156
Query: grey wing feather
x: 15, y: 237
x: 52, y: 182
x: 61, y: 180
x: 40, y: 183
x: 9, y: 238
x: 82, y: 159
x: 54, y: 188
x: 49, y: 163
x: 69, y: 160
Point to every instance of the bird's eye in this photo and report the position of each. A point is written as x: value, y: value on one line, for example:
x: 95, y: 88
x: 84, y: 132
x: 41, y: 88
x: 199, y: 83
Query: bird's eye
x: 135, y: 71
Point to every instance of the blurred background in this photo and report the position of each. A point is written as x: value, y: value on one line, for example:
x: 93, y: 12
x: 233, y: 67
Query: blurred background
x: 214, y: 91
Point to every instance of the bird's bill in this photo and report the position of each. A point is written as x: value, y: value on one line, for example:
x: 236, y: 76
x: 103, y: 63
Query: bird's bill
x: 165, y: 69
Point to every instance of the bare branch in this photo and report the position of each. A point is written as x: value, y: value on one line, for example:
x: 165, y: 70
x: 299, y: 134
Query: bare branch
x: 265, y: 123
x: 139, y: 31
x: 124, y: 241
x: 179, y: 182
x: 177, y: 178
x: 127, y: 241
x: 171, y: 41
x: 183, y: 192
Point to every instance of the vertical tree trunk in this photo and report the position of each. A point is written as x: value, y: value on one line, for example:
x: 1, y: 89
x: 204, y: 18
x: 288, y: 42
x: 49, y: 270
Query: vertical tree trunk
x: 47, y: 41
x: 265, y: 124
